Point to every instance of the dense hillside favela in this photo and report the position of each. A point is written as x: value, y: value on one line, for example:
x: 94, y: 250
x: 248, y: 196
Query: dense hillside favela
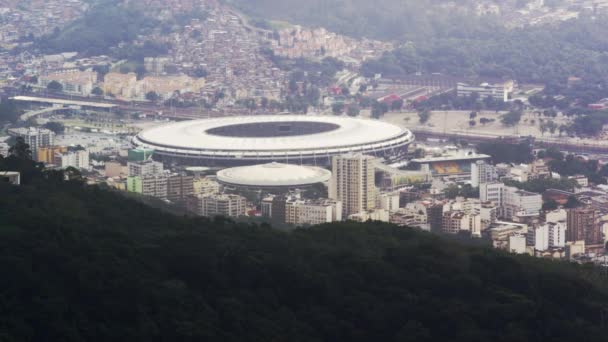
x: 323, y: 170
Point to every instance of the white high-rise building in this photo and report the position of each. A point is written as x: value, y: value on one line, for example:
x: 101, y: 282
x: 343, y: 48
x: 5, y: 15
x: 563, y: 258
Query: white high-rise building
x: 35, y: 137
x: 557, y: 234
x: 538, y: 237
x: 353, y: 183
x: 481, y: 172
x: 548, y: 235
x: 492, y: 192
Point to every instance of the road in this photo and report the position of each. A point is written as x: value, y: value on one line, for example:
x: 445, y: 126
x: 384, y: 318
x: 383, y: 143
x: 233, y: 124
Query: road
x: 136, y: 106
x: 561, y: 144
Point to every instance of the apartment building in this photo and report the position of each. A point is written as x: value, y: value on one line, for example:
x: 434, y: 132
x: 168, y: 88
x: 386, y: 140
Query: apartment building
x: 482, y: 172
x: 353, y: 183
x: 35, y: 137
x: 77, y: 159
x: 217, y: 205
x: 179, y: 187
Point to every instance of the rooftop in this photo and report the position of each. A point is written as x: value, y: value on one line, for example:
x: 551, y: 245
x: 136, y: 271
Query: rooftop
x: 274, y: 175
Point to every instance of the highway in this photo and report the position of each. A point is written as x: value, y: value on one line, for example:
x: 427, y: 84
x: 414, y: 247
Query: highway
x: 133, y: 106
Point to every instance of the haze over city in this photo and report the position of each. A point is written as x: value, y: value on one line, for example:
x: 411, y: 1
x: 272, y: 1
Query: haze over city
x: 322, y: 170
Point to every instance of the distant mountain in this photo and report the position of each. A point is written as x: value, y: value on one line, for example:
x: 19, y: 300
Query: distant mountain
x: 81, y: 263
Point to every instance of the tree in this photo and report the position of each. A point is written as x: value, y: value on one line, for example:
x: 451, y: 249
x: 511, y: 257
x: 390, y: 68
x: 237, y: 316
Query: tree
x: 8, y: 111
x: 54, y: 87
x: 552, y: 126
x: 140, y: 70
x: 424, y: 116
x: 485, y: 121
x: 503, y: 152
x: 379, y: 109
x: 56, y: 127
x: 550, y: 205
x: 152, y: 96
x: 97, y: 91
x: 200, y: 72
x: 337, y: 108
x: 353, y: 110
x: 572, y: 203
x: 21, y: 149
x: 472, y: 123
x: 397, y: 105
x: 512, y: 118
x: 264, y: 102
x: 102, y: 69
x: 472, y: 115
x: 543, y: 128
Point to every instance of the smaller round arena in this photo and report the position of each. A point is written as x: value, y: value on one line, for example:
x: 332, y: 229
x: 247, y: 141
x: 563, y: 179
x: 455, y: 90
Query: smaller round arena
x: 273, y: 176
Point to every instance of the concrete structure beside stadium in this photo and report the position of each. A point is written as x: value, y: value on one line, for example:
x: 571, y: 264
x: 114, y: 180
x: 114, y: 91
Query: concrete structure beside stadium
x: 291, y: 139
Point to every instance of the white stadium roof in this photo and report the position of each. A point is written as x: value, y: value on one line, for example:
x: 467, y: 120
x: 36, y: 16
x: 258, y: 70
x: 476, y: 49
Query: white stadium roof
x: 193, y: 134
x: 273, y: 175
x: 341, y: 135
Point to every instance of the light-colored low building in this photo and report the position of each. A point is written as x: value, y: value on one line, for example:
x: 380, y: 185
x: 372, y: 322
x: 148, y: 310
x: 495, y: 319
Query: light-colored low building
x: 388, y: 201
x: 500, y: 232
x: 114, y: 169
x: 312, y: 212
x: 166, y: 86
x: 517, y: 244
x: 455, y: 222
x: 499, y: 91
x: 217, y: 205
x: 73, y: 81
x: 4, y: 149
x: 76, y: 159
x: 205, y: 186
x: 11, y: 177
x: 580, y: 180
x: 121, y: 85
x: 371, y: 215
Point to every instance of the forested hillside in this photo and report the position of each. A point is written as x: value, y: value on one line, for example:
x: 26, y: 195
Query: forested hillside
x: 383, y: 19
x: 545, y: 54
x: 436, y: 38
x: 81, y: 263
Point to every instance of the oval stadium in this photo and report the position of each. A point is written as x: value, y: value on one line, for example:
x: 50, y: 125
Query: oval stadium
x: 293, y: 139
